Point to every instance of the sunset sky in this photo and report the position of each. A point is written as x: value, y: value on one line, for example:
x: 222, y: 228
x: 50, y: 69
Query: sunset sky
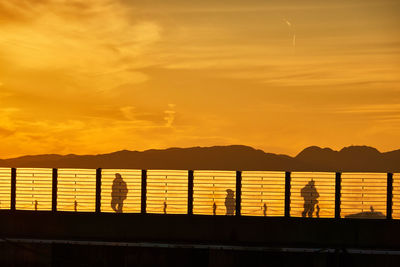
x: 96, y: 76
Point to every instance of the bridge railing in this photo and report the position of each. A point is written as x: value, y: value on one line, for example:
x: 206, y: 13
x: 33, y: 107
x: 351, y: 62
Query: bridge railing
x: 210, y: 192
x: 263, y: 193
x: 248, y: 193
x: 324, y: 183
x: 361, y: 191
x: 33, y: 189
x: 5, y: 188
x: 76, y: 189
x: 167, y: 191
x: 132, y: 178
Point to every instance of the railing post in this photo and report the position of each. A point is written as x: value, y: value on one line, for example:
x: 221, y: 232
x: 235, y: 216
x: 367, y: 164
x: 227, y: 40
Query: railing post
x: 287, y: 193
x: 144, y: 191
x: 338, y: 189
x: 98, y: 190
x: 190, y: 192
x: 13, y: 188
x: 389, y: 195
x: 54, y: 190
x: 238, y: 192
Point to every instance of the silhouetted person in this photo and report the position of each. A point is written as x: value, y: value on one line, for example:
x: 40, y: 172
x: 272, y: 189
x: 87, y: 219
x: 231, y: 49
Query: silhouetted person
x: 36, y: 205
x: 165, y: 207
x: 119, y: 193
x: 317, y: 212
x: 75, y: 206
x: 265, y: 209
x: 214, y: 209
x: 230, y: 202
x: 310, y: 195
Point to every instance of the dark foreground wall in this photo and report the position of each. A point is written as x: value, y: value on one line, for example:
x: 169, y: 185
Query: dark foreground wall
x: 28, y: 254
x: 182, y: 240
x: 220, y: 230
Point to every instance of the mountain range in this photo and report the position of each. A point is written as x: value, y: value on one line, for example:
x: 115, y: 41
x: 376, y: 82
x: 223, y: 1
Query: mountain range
x: 235, y: 157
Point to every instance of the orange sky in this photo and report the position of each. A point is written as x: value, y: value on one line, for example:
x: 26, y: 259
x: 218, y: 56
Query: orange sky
x: 95, y: 76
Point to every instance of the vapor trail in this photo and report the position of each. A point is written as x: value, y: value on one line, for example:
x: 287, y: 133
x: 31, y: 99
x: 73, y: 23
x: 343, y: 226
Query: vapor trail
x: 292, y: 31
x: 287, y: 22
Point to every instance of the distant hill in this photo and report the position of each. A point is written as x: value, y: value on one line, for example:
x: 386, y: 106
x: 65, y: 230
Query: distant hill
x: 353, y: 158
x: 237, y: 157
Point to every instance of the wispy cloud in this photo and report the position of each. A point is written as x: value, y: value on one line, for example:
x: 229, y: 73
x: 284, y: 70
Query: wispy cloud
x: 97, y: 48
x: 170, y: 115
x: 292, y: 31
x: 253, y: 6
x: 371, y: 109
x: 97, y: 134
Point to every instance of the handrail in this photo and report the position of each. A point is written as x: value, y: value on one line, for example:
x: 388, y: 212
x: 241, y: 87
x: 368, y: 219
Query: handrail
x: 237, y: 200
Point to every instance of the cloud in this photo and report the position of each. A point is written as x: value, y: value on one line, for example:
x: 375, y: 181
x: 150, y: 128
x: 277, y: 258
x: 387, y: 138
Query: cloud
x: 128, y: 112
x: 149, y: 119
x: 250, y: 6
x: 5, y: 132
x: 372, y: 109
x: 98, y: 49
x: 7, y: 122
x: 382, y: 114
x: 170, y: 115
x: 34, y: 136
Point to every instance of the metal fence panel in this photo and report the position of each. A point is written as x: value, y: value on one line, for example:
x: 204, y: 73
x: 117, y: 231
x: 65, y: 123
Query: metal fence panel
x: 214, y: 192
x: 121, y: 186
x: 34, y: 189
x: 263, y: 193
x: 363, y: 195
x: 5, y: 188
x: 76, y: 190
x: 312, y: 194
x: 167, y: 191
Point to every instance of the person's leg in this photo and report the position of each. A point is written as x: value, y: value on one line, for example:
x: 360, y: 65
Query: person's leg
x: 119, y: 206
x: 114, y: 204
x: 306, y: 208
x: 311, y: 210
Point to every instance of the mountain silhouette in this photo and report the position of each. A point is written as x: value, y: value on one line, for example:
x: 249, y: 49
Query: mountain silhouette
x: 235, y: 157
x: 353, y: 158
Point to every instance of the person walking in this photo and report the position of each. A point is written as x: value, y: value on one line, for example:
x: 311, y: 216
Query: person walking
x: 119, y: 193
x: 310, y: 195
x: 230, y: 202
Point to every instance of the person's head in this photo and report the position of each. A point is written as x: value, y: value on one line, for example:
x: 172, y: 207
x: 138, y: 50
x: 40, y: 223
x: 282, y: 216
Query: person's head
x: 118, y: 176
x: 312, y: 183
x: 229, y: 192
